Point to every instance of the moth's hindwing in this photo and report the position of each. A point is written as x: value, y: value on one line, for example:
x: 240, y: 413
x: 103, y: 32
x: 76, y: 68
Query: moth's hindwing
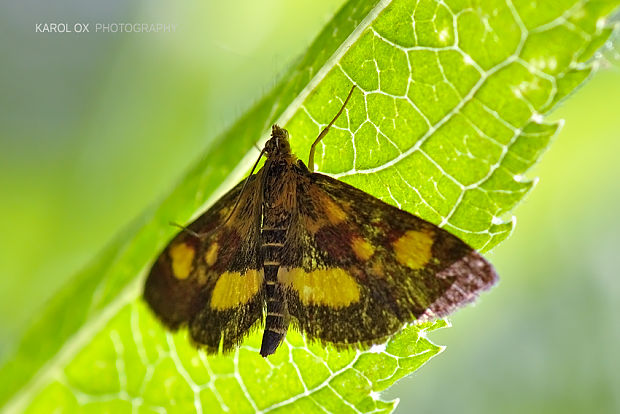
x: 356, y: 269
x: 213, y: 284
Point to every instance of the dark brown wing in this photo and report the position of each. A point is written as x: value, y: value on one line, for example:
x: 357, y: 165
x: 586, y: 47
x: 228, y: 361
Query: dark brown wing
x: 213, y: 283
x: 357, y: 268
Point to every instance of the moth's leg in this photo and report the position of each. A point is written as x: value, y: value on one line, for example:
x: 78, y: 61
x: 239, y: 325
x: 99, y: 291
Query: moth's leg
x: 325, y: 131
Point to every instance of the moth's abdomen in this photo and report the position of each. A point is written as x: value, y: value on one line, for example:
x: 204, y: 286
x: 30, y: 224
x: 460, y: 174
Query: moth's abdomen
x: 278, y: 318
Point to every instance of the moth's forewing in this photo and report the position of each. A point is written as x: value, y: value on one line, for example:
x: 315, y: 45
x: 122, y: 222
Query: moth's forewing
x: 213, y: 283
x: 357, y: 268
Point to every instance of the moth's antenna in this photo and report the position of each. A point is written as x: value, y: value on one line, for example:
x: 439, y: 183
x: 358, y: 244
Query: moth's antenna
x: 185, y: 229
x: 325, y: 131
x: 245, y: 183
x: 243, y: 188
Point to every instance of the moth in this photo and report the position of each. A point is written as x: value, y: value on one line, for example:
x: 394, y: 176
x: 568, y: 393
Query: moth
x: 289, y: 246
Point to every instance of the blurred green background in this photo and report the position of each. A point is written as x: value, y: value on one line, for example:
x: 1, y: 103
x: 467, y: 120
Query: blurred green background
x: 96, y: 127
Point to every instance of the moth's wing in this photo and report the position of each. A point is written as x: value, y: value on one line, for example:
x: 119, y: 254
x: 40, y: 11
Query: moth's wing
x: 213, y: 284
x: 357, y: 268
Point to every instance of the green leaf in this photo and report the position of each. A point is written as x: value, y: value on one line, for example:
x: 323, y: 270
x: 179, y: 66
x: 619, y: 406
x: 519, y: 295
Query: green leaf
x: 447, y: 119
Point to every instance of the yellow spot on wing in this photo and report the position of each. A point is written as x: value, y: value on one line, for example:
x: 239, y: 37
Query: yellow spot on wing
x: 333, y: 287
x: 362, y: 249
x: 413, y: 249
x: 211, y: 254
x: 233, y: 289
x: 182, y: 256
x: 334, y: 213
x: 330, y: 212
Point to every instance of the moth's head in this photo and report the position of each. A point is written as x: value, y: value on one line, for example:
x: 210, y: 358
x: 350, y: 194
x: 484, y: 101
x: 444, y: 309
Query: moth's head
x: 278, y: 143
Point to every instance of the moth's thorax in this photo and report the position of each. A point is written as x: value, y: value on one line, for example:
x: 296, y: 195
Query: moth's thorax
x: 279, y: 192
x: 279, y: 180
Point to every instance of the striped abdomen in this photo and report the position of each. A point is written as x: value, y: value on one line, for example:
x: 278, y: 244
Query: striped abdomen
x: 278, y: 318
